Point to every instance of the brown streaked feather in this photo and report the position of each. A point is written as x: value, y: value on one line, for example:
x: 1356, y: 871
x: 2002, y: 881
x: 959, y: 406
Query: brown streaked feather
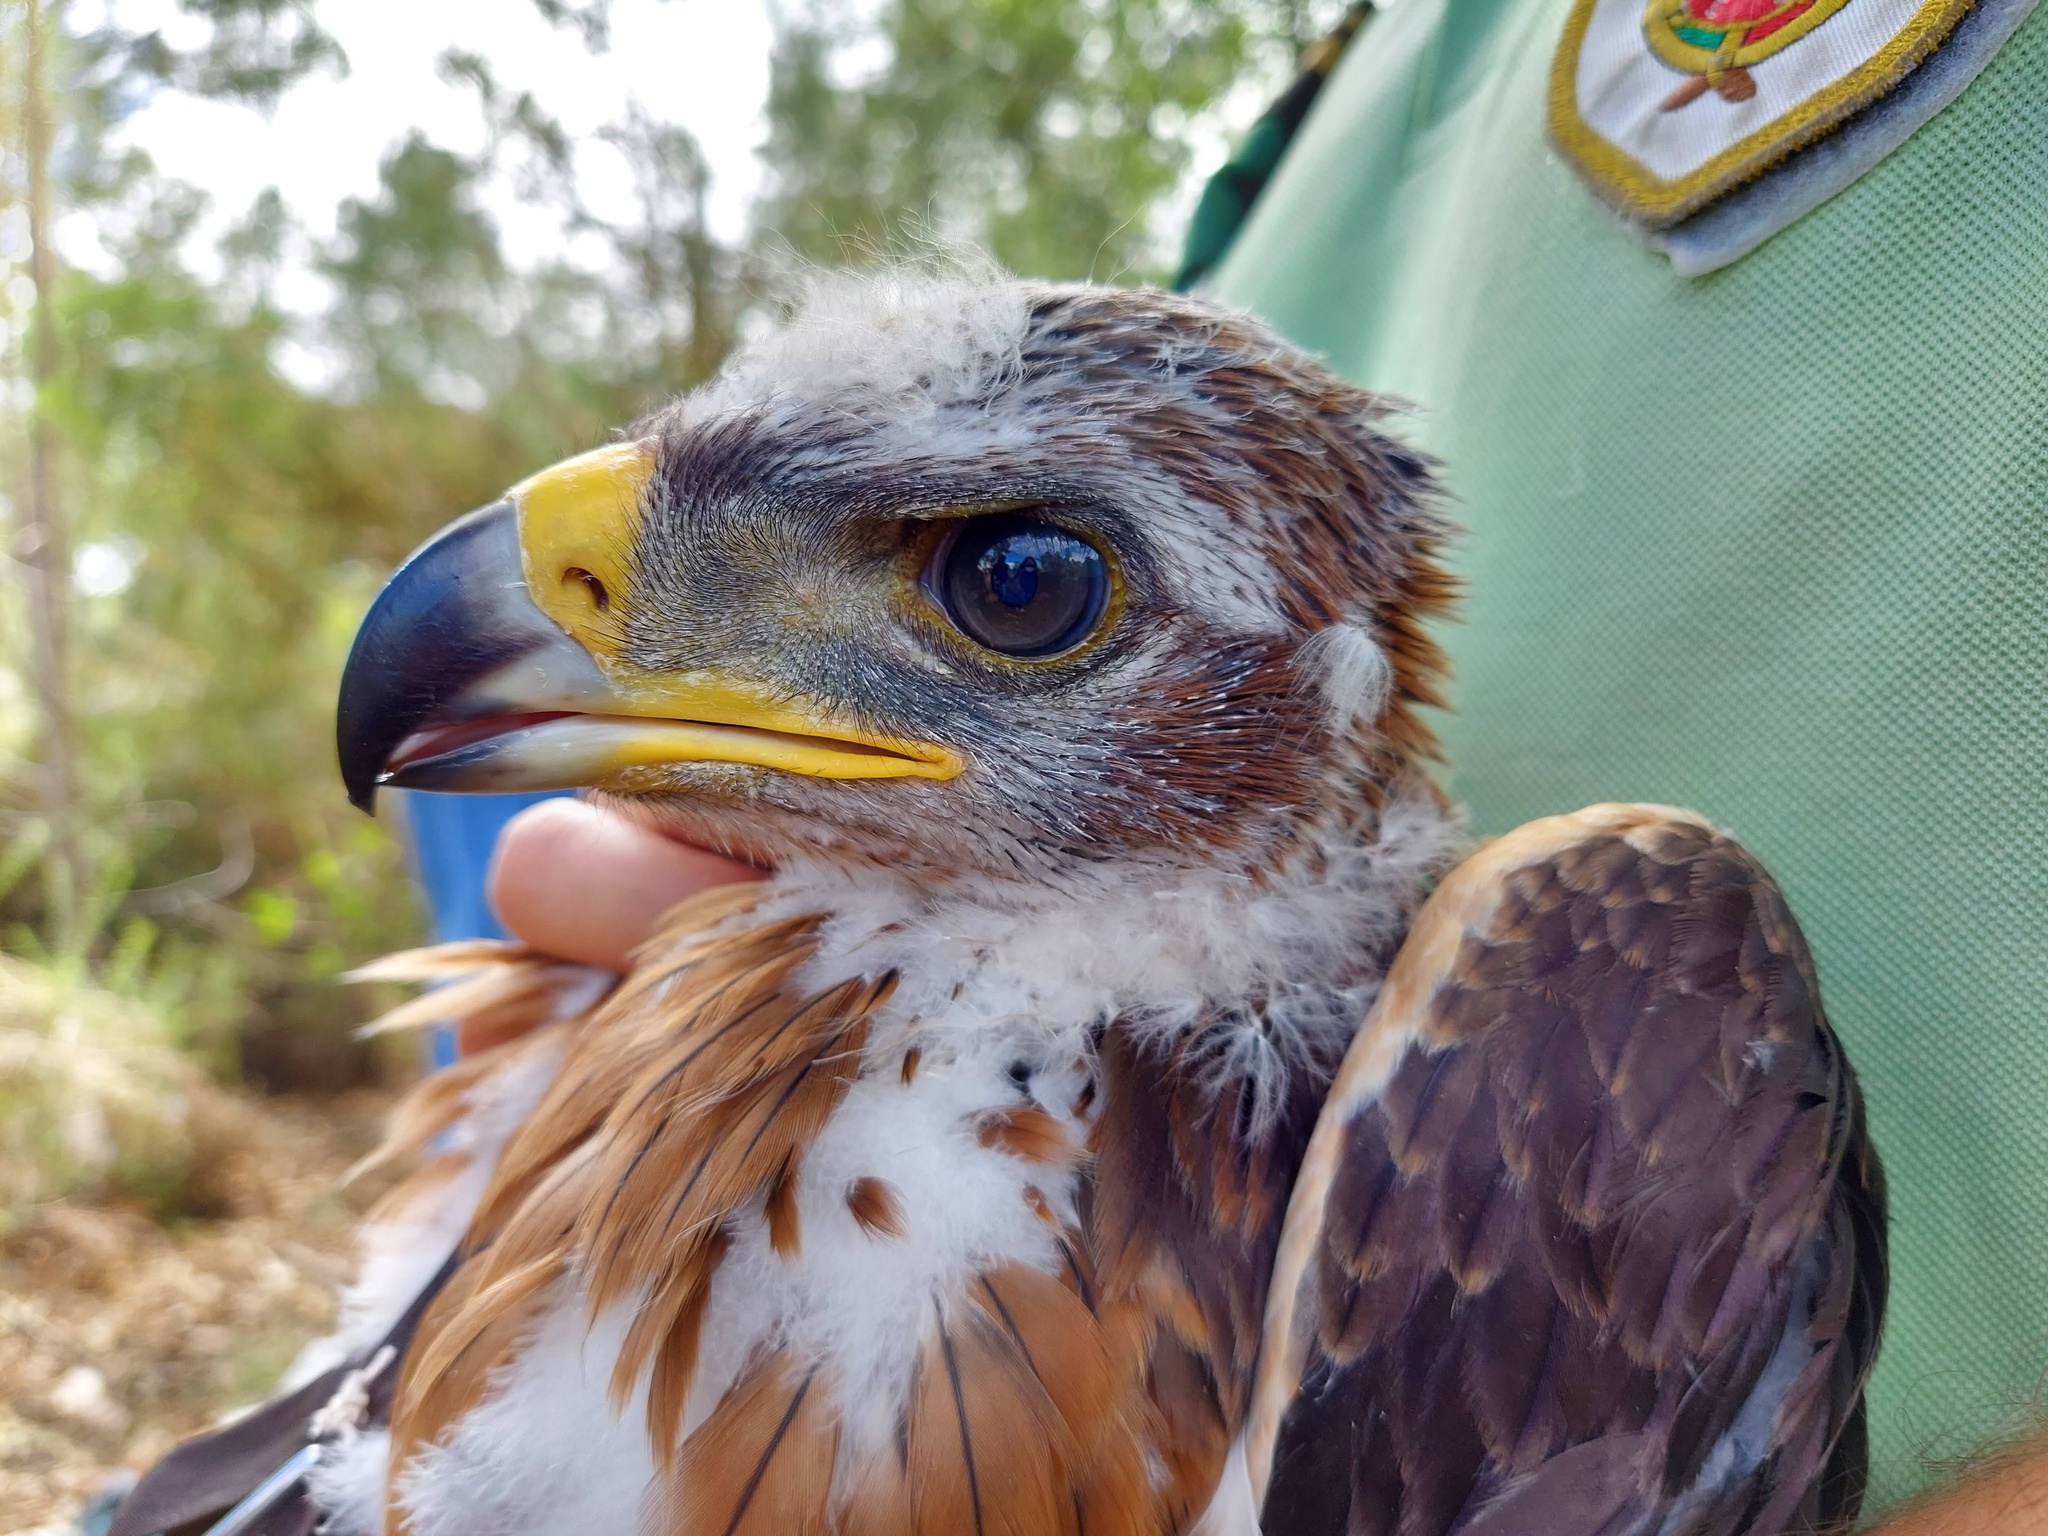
x: 680, y: 1162
x: 440, y: 962
x: 785, y: 1228
x: 875, y: 1206
x: 487, y: 1307
x: 492, y: 992
x: 627, y: 1040
x: 1182, y: 1208
x: 1022, y: 1418
x: 435, y: 1105
x: 989, y: 1450
x: 660, y: 1227
x: 689, y: 1096
x: 674, y: 1167
x: 762, y: 1463
x: 1040, y: 1206
x: 508, y: 991
x: 675, y: 1317
x: 505, y: 1298
x: 439, y: 1101
x: 697, y: 925
x: 1187, y: 1199
x: 1024, y: 1131
x: 1056, y: 1341
x: 676, y: 1106
x: 436, y: 1390
x: 1592, y: 1156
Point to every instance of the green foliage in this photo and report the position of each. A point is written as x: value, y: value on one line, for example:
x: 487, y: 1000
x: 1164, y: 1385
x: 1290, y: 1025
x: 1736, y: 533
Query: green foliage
x: 255, y: 50
x: 234, y: 519
x: 97, y: 1097
x: 1043, y: 130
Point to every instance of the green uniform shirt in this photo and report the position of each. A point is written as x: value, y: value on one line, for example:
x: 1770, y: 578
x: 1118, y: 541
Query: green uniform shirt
x: 1769, y: 543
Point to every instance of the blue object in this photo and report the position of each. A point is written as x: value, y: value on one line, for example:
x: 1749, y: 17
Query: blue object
x: 246, y: 1516
x: 452, y: 840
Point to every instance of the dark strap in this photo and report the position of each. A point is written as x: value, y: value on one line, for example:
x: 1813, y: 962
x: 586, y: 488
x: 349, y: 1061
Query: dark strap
x: 204, y: 1477
x: 1227, y: 196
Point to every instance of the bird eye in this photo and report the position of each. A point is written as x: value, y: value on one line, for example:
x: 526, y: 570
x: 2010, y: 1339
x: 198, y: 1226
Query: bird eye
x: 1020, y: 586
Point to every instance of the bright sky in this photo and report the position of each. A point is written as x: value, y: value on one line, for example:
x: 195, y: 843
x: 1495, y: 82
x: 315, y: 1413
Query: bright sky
x: 701, y: 63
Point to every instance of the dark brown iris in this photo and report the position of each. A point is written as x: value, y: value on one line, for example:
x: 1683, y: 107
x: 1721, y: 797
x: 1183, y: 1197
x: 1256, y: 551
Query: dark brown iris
x: 1021, y: 586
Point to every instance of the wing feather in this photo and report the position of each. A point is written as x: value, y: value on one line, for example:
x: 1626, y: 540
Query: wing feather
x: 1589, y: 1238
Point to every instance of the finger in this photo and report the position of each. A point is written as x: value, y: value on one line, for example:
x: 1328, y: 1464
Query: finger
x: 574, y: 880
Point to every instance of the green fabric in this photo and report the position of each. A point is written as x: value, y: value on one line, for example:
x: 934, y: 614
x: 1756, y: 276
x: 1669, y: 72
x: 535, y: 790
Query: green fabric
x: 1768, y: 543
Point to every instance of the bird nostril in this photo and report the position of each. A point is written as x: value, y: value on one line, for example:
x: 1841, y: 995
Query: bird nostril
x: 599, y: 597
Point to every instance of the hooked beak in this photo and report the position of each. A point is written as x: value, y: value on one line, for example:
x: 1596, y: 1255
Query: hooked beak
x: 490, y: 663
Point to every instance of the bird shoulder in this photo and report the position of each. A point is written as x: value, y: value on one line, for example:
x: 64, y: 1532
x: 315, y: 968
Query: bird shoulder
x: 1590, y: 1230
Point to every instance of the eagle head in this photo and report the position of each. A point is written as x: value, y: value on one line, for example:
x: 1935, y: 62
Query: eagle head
x: 958, y: 574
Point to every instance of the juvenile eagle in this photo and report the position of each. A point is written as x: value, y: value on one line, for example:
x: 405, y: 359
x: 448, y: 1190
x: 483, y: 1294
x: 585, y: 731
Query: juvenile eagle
x: 1120, y: 1112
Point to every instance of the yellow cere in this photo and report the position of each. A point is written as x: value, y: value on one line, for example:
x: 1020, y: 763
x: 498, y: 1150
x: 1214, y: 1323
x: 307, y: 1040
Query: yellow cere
x: 578, y: 523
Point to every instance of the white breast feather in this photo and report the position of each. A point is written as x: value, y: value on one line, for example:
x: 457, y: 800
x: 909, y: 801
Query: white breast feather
x: 988, y: 979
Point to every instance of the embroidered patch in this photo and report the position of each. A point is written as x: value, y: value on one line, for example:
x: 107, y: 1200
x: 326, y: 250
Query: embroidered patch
x: 1667, y: 105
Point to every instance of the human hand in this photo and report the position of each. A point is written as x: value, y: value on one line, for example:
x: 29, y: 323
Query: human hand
x: 575, y: 880
x: 2006, y: 1496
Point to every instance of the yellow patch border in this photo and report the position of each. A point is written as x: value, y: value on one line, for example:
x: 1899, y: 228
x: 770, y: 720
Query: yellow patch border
x: 1699, y: 61
x: 1655, y: 203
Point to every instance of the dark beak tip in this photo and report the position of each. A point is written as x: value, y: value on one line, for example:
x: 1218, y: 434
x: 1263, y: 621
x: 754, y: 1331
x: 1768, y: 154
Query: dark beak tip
x: 431, y: 633
x: 361, y: 745
x: 359, y: 777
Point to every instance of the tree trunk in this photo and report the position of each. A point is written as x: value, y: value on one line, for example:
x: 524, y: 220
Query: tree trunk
x: 42, y: 544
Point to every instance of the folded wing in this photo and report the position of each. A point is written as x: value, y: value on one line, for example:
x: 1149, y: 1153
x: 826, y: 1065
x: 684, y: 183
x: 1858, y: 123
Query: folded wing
x: 1590, y: 1238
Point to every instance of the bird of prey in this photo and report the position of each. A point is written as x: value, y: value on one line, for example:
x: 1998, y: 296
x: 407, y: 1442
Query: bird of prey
x: 1123, y: 1110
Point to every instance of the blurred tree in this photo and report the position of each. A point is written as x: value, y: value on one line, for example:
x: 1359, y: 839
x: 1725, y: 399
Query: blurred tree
x: 233, y: 523
x: 241, y: 477
x: 42, y: 543
x: 211, y: 583
x: 1045, y: 131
